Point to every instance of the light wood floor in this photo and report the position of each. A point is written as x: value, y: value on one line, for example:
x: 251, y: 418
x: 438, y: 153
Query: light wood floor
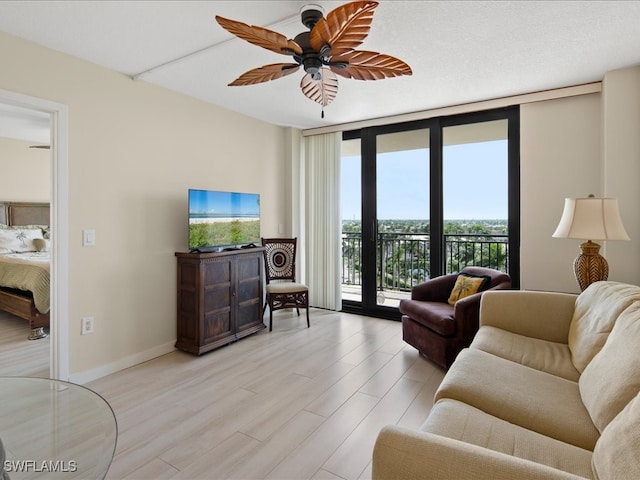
x: 295, y: 403
x: 19, y: 356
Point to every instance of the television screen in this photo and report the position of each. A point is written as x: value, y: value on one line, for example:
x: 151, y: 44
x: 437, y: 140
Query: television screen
x: 223, y: 219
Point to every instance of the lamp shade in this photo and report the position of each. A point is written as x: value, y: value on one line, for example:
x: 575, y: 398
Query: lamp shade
x: 591, y: 219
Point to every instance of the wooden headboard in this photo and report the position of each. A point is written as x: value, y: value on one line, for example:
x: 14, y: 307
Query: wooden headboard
x: 24, y: 213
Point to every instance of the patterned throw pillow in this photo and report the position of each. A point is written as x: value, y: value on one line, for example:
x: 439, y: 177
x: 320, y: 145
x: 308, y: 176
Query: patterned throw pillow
x: 19, y: 240
x: 42, y: 244
x: 466, y: 285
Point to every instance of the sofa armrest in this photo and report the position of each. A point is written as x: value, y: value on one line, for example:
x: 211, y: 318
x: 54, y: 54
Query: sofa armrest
x: 400, y: 453
x: 543, y: 315
x: 436, y: 289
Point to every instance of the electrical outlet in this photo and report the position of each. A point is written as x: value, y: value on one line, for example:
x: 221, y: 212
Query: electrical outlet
x: 87, y: 325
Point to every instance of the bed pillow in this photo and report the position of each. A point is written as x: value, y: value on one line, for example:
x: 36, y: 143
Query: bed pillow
x: 46, y: 229
x: 19, y: 240
x: 22, y: 227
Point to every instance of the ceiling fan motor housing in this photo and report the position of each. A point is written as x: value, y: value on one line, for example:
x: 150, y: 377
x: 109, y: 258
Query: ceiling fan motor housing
x: 310, y: 14
x: 310, y: 59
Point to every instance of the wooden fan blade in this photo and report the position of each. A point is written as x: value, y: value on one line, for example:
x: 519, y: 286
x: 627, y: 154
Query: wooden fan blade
x: 265, y: 73
x: 44, y: 147
x: 260, y: 36
x: 364, y: 65
x: 321, y: 91
x: 344, y: 29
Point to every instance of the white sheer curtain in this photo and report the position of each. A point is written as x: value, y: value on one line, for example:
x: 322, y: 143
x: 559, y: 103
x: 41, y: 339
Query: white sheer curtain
x: 317, y: 226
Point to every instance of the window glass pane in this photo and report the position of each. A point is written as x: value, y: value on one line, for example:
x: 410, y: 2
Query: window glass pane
x: 351, y: 208
x: 475, y: 195
x: 402, y: 191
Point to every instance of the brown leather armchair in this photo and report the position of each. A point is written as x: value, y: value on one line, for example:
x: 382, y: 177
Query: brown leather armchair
x: 440, y: 330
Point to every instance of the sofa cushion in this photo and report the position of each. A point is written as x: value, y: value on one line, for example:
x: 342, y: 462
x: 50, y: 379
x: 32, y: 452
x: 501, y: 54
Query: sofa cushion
x: 550, y: 357
x: 617, y: 452
x: 457, y: 420
x: 436, y: 316
x: 596, y: 311
x: 612, y: 378
x: 467, y: 284
x: 521, y: 395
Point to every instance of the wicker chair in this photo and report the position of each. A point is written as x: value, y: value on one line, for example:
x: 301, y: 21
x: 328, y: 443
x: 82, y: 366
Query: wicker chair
x: 280, y: 268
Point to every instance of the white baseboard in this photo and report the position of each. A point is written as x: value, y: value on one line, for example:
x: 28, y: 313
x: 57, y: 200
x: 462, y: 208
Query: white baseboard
x: 89, y: 375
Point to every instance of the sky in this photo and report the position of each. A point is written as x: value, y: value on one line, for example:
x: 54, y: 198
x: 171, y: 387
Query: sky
x: 475, y: 183
x: 224, y: 203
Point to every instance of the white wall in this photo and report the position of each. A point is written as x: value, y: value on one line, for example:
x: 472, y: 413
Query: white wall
x: 25, y: 172
x: 134, y: 150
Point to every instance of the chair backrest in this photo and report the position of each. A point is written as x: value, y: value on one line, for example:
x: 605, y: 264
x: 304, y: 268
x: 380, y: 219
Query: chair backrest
x: 280, y: 258
x: 498, y: 280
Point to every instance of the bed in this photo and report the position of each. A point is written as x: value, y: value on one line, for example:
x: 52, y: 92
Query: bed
x: 25, y: 263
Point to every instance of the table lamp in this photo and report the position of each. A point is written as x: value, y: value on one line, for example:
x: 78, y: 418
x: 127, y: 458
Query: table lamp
x: 591, y: 219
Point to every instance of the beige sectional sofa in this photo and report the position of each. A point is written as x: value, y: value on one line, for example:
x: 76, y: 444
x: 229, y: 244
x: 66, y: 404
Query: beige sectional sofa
x: 549, y: 388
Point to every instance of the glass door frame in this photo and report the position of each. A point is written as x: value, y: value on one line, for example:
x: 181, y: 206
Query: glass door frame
x: 368, y: 135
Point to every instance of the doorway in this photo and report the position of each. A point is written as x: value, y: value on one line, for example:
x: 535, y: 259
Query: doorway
x: 59, y: 311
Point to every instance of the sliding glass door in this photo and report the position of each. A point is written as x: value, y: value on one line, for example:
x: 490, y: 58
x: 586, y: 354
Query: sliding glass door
x: 426, y: 198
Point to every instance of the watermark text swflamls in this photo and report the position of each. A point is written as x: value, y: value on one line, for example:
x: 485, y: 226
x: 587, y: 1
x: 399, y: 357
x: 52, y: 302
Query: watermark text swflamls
x: 40, y: 466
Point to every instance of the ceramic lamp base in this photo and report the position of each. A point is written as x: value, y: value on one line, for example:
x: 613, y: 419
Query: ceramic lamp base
x: 590, y: 266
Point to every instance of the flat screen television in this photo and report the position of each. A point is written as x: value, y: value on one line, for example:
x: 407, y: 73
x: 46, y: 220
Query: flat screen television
x: 219, y: 220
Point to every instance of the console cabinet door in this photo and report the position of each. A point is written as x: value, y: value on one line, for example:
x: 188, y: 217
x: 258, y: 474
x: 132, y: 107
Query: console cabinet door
x: 249, y: 293
x: 217, y: 296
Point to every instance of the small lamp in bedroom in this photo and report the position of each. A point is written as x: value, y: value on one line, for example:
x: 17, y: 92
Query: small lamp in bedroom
x: 590, y: 219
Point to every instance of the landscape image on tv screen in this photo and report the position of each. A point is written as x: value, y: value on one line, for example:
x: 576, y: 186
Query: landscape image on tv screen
x: 223, y: 219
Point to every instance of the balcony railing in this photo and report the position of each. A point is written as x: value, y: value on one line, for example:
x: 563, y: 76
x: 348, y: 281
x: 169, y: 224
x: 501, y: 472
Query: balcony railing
x: 403, y: 259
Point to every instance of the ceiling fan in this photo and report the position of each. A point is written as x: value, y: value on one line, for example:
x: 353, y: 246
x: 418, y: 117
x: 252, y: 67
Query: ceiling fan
x: 326, y: 50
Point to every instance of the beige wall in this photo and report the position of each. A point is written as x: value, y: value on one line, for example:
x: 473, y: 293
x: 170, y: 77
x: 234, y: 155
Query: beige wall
x: 621, y: 165
x: 25, y: 172
x: 134, y: 150
x: 570, y: 148
x: 559, y: 157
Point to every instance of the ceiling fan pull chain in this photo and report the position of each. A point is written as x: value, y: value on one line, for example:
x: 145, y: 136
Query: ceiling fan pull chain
x: 322, y: 113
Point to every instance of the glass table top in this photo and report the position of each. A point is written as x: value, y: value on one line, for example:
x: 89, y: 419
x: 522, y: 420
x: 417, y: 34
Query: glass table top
x: 54, y: 429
